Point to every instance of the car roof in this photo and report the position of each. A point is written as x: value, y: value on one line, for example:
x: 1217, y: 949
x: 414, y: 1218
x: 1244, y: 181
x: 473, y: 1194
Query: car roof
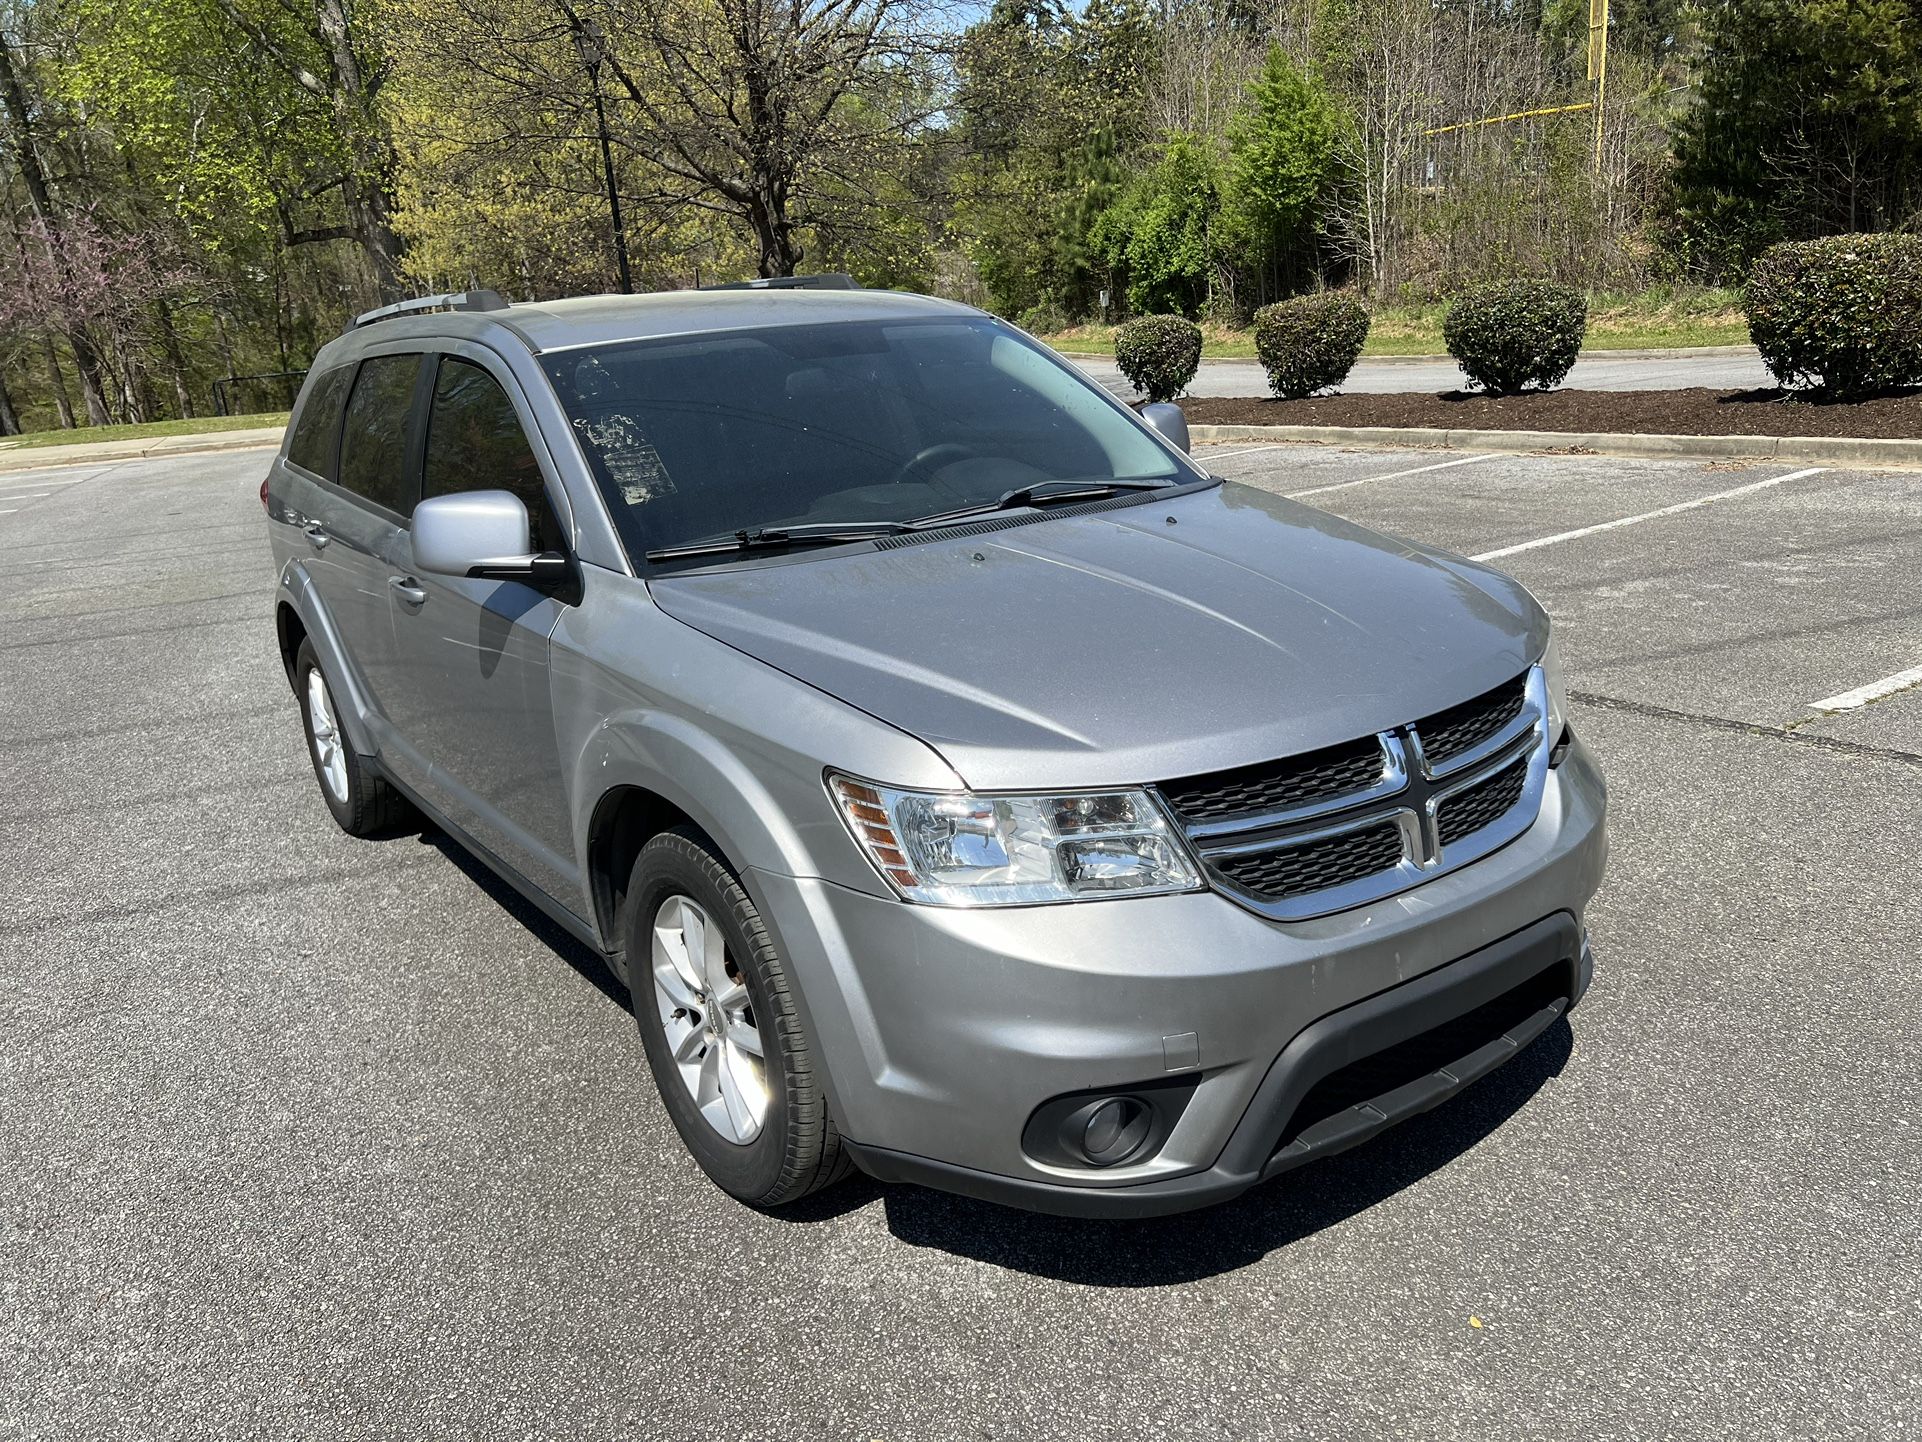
x: 599, y: 319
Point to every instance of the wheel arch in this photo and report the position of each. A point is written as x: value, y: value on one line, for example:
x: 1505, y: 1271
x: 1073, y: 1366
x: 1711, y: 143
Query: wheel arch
x: 291, y: 631
x: 625, y: 818
x: 649, y: 772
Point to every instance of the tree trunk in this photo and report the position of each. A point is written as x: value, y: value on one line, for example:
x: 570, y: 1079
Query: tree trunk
x: 176, y: 362
x: 368, y: 191
x: 59, y: 378
x: 779, y: 254
x: 13, y: 95
x: 9, y: 418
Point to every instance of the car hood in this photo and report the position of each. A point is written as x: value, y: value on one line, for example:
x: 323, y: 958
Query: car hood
x: 1132, y: 644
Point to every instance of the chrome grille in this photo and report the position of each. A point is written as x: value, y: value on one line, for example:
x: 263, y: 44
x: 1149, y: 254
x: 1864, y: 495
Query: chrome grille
x: 1279, y: 785
x: 1349, y: 824
x: 1449, y: 733
x: 1316, y: 865
x: 1474, y: 807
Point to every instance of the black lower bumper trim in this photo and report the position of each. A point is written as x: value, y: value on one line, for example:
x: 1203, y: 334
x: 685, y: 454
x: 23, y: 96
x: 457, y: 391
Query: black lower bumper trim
x: 1317, y: 1099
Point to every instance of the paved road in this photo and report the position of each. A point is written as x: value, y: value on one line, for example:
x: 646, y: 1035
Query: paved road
x: 1246, y: 378
x: 321, y: 1138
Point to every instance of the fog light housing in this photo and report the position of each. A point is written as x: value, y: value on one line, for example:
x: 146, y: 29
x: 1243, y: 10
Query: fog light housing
x: 1109, y: 1126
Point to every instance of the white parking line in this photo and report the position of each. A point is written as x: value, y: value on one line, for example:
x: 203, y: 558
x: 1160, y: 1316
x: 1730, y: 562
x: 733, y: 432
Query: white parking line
x: 1392, y: 475
x: 1244, y: 451
x: 1874, y: 691
x: 29, y: 496
x: 1677, y: 509
x: 75, y: 481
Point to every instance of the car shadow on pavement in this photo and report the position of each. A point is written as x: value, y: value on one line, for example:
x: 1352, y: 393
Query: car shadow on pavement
x: 1164, y: 1251
x: 584, y: 959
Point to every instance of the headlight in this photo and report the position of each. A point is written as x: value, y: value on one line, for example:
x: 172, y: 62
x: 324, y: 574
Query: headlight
x: 1551, y: 664
x: 958, y: 849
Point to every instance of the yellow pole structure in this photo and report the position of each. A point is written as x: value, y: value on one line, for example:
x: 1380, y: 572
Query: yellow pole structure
x: 1504, y: 119
x: 1598, y: 68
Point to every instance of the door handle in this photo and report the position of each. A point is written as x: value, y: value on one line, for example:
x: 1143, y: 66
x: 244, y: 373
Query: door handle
x: 412, y: 594
x: 317, y: 535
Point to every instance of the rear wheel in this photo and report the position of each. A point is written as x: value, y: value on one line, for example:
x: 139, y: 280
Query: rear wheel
x: 732, y: 1061
x: 362, y: 802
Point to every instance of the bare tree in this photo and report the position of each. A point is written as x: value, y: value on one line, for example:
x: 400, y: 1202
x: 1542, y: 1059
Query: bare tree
x: 763, y: 108
x: 24, y: 150
x: 1210, y: 51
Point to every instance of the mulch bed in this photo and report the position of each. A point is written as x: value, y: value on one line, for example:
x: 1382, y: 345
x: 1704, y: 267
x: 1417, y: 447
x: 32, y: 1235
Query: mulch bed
x: 1692, y: 412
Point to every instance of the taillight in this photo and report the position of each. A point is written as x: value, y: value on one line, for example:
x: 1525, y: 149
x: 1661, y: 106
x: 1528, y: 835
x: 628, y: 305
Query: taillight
x: 263, y: 492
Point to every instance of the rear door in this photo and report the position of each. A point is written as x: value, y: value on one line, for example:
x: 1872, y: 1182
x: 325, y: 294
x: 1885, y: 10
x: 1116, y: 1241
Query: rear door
x: 470, y: 690
x: 355, y: 516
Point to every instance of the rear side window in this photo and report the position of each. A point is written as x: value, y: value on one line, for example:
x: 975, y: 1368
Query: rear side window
x: 373, y: 447
x: 317, y: 428
x: 475, y: 443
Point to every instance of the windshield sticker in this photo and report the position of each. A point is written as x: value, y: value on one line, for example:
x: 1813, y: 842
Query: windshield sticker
x: 631, y: 460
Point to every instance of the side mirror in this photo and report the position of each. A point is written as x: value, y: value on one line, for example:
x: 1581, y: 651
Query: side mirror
x: 480, y: 534
x: 1168, y: 422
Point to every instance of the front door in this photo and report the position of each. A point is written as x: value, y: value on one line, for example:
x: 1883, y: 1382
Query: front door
x: 470, y: 688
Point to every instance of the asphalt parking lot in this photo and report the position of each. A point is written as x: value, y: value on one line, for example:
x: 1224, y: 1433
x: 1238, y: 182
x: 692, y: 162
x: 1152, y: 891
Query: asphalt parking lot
x: 305, y: 1136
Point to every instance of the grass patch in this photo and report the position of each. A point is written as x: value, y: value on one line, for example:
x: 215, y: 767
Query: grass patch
x: 1659, y: 319
x: 151, y: 430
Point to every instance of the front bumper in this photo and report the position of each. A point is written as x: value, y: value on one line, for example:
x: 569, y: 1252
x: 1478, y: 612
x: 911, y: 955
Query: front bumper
x: 944, y: 1030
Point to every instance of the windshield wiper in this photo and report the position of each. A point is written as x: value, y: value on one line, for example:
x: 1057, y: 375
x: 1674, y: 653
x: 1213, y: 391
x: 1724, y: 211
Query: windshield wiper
x: 1038, y: 494
x: 770, y: 538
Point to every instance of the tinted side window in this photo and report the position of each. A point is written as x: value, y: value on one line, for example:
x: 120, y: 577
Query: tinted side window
x: 373, y: 449
x: 317, y: 427
x: 475, y: 443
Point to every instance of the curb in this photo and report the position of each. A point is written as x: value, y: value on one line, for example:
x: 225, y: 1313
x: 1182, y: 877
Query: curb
x: 47, y: 458
x: 1811, y: 450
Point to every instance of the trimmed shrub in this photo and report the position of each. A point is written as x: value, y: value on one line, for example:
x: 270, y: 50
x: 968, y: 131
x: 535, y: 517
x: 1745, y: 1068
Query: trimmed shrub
x: 1311, y: 342
x: 1159, y: 354
x: 1844, y: 312
x: 1516, y: 333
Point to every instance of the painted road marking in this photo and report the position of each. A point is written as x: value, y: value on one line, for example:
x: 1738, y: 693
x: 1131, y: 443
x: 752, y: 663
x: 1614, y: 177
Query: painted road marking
x: 29, y: 496
x: 1674, y: 510
x: 1244, y: 451
x: 16, y: 485
x: 1393, y: 475
x: 1874, y: 691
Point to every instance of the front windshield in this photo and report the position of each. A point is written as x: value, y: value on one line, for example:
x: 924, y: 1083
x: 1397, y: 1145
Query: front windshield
x: 854, y: 422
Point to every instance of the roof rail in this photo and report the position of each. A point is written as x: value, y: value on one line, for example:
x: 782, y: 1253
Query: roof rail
x: 830, y: 280
x: 420, y: 305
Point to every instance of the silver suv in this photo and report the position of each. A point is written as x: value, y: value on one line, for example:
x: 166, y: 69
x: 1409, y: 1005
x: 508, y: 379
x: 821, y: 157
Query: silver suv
x: 968, y: 787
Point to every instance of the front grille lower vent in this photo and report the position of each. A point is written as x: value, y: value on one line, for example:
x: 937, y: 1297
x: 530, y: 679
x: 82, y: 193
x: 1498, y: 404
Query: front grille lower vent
x: 1279, y: 785
x: 1469, y: 810
x: 1315, y: 865
x: 1312, y: 834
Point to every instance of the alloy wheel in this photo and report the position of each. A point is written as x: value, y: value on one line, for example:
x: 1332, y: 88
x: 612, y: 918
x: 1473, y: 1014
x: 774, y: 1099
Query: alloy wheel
x: 329, y: 744
x: 707, y: 1016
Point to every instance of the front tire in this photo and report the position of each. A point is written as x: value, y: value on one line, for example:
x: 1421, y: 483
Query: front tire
x: 730, y: 1057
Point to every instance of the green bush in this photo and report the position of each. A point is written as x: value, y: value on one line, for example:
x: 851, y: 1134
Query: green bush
x: 1047, y: 318
x: 1159, y: 354
x: 1844, y: 312
x: 1516, y: 333
x: 1310, y: 342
